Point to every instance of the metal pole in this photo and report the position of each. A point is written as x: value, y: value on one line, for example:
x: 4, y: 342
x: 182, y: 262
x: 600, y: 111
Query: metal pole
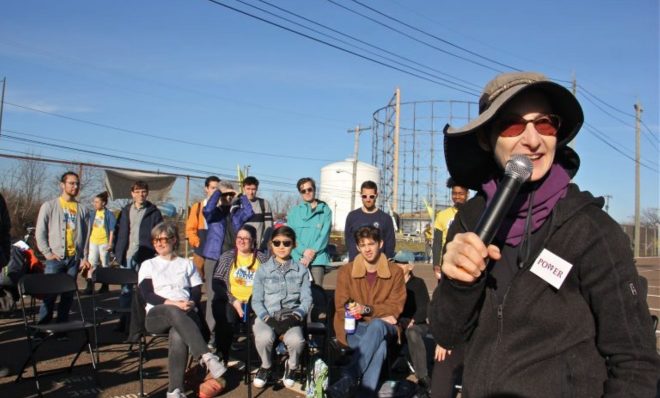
x: 187, y: 209
x: 638, y: 116
x: 2, y: 101
x: 356, y: 149
x: 395, y: 171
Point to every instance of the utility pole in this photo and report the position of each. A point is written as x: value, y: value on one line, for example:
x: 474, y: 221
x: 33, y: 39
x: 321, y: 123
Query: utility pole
x: 607, y: 203
x: 356, y: 151
x: 638, y: 118
x: 395, y: 182
x: 2, y: 101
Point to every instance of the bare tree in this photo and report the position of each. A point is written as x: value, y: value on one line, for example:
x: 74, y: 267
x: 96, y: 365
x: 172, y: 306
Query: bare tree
x: 24, y: 190
x: 650, y: 217
x: 281, y: 202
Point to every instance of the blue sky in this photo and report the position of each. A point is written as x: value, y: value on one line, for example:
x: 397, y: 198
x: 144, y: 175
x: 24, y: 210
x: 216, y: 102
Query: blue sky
x: 193, y: 71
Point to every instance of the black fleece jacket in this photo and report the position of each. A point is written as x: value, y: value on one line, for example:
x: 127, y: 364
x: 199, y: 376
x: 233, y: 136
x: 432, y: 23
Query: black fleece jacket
x: 590, y: 338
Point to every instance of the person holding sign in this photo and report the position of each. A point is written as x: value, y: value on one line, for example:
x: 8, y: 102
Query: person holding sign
x: 552, y: 306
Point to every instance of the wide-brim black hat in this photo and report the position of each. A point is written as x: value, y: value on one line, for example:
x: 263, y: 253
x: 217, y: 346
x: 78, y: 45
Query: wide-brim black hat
x: 469, y: 164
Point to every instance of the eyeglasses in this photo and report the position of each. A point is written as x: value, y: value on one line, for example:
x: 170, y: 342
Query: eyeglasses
x: 308, y: 190
x: 228, y: 194
x: 285, y: 243
x: 162, y: 240
x: 513, y: 126
x: 368, y: 196
x: 243, y: 239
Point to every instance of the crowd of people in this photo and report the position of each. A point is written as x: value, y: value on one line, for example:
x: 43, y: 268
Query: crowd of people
x: 496, y: 323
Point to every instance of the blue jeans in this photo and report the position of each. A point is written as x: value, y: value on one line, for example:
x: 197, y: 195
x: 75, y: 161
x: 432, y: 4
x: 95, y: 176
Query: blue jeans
x: 127, y: 290
x: 68, y: 266
x: 369, y: 343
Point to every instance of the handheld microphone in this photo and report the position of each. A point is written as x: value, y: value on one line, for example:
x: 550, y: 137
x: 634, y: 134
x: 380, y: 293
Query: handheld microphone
x: 517, y: 170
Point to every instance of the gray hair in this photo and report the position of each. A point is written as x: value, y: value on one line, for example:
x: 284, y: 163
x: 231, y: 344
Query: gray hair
x: 168, y: 228
x: 226, y: 186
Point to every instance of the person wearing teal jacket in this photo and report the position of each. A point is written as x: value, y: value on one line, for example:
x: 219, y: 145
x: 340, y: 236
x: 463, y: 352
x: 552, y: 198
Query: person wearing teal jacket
x: 311, y: 221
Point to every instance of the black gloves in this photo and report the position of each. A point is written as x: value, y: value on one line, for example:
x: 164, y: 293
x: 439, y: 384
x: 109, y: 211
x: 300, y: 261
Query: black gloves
x: 286, y: 321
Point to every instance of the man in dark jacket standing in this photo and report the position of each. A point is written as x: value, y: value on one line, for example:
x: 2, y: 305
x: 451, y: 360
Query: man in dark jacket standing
x: 133, y: 236
x: 369, y: 214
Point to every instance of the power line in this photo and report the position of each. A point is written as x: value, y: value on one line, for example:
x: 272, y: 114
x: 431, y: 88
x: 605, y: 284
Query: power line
x: 599, y: 135
x: 162, y: 138
x: 605, y: 103
x: 136, y: 160
x: 167, y: 85
x: 216, y: 2
x: 654, y: 144
x: 360, y: 41
x: 415, y: 39
x: 648, y: 130
x: 437, y: 38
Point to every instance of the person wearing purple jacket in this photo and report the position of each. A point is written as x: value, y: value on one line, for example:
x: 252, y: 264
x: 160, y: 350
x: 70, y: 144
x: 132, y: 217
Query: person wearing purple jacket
x: 225, y: 213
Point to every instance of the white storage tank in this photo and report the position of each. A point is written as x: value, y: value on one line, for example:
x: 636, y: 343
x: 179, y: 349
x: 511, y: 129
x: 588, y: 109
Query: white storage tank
x: 335, y: 188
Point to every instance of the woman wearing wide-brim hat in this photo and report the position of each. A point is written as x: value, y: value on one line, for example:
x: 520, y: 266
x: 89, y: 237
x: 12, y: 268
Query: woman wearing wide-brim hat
x: 553, y: 307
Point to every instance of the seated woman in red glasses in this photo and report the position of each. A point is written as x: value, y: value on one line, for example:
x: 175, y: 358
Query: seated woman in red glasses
x: 281, y: 298
x: 172, y: 289
x: 552, y: 307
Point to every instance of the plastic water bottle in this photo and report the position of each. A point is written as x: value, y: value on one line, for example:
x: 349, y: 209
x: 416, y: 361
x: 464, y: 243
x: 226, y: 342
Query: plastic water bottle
x: 349, y: 321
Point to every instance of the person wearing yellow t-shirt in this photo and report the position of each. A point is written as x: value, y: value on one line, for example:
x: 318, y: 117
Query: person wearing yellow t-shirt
x: 232, y: 285
x: 443, y: 220
x: 61, y: 229
x: 99, y: 241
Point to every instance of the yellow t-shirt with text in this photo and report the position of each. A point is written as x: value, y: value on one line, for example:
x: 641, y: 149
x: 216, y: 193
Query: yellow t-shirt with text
x: 99, y: 236
x: 241, y: 278
x: 70, y: 220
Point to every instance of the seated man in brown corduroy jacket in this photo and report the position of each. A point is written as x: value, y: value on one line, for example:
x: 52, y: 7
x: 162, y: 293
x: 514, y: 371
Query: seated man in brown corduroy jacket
x: 374, y: 292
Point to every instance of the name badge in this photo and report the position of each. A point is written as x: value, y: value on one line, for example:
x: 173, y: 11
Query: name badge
x: 551, y: 268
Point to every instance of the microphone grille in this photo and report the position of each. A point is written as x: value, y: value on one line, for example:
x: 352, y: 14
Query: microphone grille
x: 519, y: 167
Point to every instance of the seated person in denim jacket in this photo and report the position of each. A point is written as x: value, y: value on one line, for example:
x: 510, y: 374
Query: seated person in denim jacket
x: 373, y: 290
x: 281, y: 298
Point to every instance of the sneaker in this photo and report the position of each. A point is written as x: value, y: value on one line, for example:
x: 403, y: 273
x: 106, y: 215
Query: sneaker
x: 176, y: 394
x: 345, y: 387
x: 290, y: 375
x: 214, y: 366
x: 211, y: 344
x: 262, y: 378
x: 211, y: 387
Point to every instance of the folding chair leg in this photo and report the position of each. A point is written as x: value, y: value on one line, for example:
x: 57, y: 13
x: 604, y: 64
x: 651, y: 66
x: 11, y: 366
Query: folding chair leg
x: 30, y: 358
x: 141, y: 348
x: 75, y: 358
x: 248, y: 362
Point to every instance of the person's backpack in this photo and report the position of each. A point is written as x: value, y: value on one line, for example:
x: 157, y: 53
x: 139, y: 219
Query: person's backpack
x: 317, y: 380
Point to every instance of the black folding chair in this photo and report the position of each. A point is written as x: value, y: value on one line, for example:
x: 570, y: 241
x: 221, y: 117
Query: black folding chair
x: 45, y: 285
x: 109, y: 276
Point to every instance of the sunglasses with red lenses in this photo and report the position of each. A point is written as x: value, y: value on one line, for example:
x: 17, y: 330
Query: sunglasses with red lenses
x: 285, y: 243
x: 513, y: 126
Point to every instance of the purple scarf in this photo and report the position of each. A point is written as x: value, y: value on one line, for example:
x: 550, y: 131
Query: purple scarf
x: 546, y: 195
